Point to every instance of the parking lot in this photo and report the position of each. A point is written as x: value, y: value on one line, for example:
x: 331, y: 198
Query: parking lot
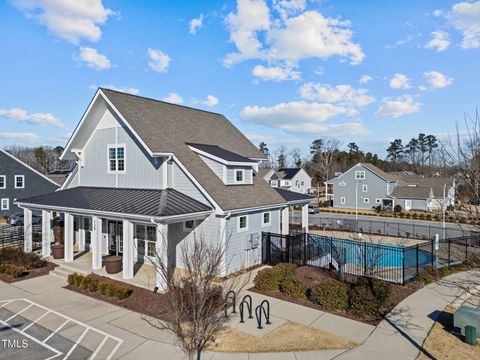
x: 32, y: 331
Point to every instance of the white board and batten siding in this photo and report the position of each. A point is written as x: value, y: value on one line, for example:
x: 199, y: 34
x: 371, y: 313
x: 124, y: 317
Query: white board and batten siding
x: 239, y: 254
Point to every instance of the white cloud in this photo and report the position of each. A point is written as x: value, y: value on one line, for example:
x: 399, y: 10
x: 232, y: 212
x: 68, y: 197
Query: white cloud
x: 173, y: 98
x: 276, y: 73
x: 289, y: 39
x: 128, y: 90
x: 398, y: 107
x: 302, y: 117
x: 365, y: 79
x: 20, y: 136
x: 342, y: 94
x: 286, y: 8
x: 440, y: 41
x: 158, y: 60
x: 465, y: 17
x: 400, y: 81
x: 38, y: 119
x: 195, y: 24
x: 437, y: 13
x: 71, y: 20
x: 93, y: 59
x: 209, y: 101
x: 437, y: 80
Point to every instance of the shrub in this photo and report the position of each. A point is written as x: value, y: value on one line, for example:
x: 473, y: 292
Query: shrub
x: 294, y: 287
x: 330, y: 295
x: 11, y: 270
x: 397, y: 208
x: 16, y: 256
x: 381, y: 291
x: 266, y: 280
x: 427, y: 275
x: 362, y: 301
x: 75, y: 279
x: 102, y: 287
x: 86, y: 282
x: 284, y: 271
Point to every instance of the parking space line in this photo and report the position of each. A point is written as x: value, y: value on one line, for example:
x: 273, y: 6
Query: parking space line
x: 6, y: 303
x: 97, y: 350
x: 56, y: 330
x: 18, y: 313
x: 33, y: 339
x: 76, y: 343
x: 36, y: 320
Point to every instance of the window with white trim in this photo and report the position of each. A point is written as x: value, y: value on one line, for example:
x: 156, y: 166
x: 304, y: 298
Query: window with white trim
x: 242, y: 223
x: 239, y: 176
x: 188, y: 225
x: 378, y: 201
x: 5, y: 204
x: 274, y: 183
x: 366, y: 200
x: 3, y: 182
x: 365, y: 188
x: 116, y: 159
x: 342, y: 200
x: 19, y: 181
x: 266, y: 218
x: 359, y: 175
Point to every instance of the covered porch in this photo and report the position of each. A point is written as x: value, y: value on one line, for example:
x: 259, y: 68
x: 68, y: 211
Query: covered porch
x: 140, y: 226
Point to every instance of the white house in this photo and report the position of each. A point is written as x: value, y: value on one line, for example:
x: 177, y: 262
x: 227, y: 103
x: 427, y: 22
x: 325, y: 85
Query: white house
x: 292, y: 179
x: 150, y: 176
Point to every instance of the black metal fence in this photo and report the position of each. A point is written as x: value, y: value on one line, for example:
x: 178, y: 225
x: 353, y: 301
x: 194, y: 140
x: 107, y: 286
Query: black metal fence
x: 14, y: 236
x: 390, y: 228
x: 389, y: 262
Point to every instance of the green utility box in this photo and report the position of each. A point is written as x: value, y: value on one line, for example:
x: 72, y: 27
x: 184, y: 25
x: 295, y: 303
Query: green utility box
x: 470, y: 335
x: 466, y: 316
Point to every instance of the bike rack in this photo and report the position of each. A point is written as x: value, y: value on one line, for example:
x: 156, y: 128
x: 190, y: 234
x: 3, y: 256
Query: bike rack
x: 258, y: 314
x: 267, y: 312
x: 231, y: 294
x: 249, y: 307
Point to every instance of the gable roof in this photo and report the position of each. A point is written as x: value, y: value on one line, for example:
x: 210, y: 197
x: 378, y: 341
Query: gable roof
x: 288, y: 173
x: 147, y: 202
x: 291, y: 196
x: 388, y: 177
x: 222, y: 153
x: 166, y: 128
x: 411, y: 192
x: 28, y: 167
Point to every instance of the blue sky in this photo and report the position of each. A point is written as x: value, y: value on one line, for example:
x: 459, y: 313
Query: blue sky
x: 285, y: 72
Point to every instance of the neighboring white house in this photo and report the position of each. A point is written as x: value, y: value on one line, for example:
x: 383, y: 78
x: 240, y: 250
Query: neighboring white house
x: 292, y: 179
x: 151, y: 176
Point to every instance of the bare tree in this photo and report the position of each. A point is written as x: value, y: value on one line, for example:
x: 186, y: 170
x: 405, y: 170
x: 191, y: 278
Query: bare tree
x: 296, y: 157
x: 323, y: 156
x: 195, y: 297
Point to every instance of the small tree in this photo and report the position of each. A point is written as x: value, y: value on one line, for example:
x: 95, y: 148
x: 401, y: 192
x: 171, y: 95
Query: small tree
x: 195, y: 296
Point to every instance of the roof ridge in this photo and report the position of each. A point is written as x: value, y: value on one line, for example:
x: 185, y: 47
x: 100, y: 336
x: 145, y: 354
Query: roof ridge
x: 161, y: 101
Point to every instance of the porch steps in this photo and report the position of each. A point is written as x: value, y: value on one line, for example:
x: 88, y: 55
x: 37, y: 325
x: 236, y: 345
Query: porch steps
x: 64, y: 270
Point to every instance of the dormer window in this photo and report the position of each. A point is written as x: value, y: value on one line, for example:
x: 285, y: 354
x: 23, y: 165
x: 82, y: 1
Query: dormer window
x: 116, y: 159
x: 239, y: 176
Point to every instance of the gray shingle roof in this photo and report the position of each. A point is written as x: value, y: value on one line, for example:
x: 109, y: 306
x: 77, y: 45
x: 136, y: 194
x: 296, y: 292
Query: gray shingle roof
x: 293, y: 196
x: 288, y: 173
x: 411, y: 192
x: 148, y: 202
x: 166, y: 127
x: 222, y: 153
x: 381, y: 173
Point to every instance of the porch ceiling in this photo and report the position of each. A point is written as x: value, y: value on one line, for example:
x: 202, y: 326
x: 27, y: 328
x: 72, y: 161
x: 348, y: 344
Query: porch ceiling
x: 142, y: 202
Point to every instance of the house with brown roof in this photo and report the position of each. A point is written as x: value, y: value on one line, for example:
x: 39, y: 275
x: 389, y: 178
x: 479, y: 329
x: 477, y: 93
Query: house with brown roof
x: 149, y: 171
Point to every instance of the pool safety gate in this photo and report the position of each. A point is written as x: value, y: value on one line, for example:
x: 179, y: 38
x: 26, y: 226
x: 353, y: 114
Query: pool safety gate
x: 394, y: 263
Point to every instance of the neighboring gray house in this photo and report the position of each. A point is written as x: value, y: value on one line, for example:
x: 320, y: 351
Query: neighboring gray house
x: 151, y: 176
x: 292, y: 179
x: 365, y: 186
x: 18, y: 180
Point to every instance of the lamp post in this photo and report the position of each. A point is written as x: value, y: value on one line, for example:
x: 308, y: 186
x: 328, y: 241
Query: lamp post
x: 356, y: 205
x: 443, y: 211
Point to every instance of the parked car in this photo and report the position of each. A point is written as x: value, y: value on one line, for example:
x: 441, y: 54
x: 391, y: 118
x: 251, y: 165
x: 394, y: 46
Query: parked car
x: 313, y: 209
x: 17, y: 220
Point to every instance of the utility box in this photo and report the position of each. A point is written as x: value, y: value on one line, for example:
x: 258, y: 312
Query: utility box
x: 466, y: 316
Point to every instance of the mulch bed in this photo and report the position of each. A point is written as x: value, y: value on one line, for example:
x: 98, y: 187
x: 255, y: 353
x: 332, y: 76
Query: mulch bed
x: 29, y: 274
x: 141, y: 300
x: 311, y: 276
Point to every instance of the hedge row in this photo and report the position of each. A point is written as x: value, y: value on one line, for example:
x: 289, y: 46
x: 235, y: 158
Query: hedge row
x: 16, y: 256
x: 364, y: 298
x: 11, y: 270
x: 106, y: 288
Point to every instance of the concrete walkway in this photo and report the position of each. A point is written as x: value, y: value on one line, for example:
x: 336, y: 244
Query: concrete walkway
x: 399, y: 336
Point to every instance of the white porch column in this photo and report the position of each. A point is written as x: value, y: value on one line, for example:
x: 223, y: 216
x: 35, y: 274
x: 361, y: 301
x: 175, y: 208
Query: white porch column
x: 47, y: 232
x: 161, y: 249
x: 305, y: 217
x: 96, y: 243
x: 285, y: 220
x: 81, y: 233
x: 128, y: 249
x: 68, y: 237
x: 27, y: 230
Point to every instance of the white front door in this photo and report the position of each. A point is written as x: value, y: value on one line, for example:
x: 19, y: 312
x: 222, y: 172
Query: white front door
x: 408, y: 205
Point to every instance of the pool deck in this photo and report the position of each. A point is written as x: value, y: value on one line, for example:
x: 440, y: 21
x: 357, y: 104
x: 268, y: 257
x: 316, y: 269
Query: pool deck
x: 371, y: 238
